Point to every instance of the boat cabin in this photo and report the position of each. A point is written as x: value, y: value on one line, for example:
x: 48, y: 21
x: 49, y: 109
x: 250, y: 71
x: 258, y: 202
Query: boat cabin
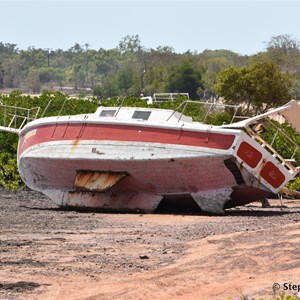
x: 142, y: 114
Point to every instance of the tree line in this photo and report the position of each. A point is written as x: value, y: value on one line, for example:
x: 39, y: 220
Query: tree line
x: 271, y: 76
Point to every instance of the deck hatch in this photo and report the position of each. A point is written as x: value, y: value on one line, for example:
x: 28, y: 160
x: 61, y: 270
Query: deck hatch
x: 108, y: 113
x: 142, y: 115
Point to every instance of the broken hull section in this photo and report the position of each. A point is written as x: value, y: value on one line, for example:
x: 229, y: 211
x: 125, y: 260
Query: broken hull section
x: 134, y: 176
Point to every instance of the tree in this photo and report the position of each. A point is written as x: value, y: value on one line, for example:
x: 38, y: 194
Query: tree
x: 259, y: 86
x: 212, y: 68
x: 283, y: 42
x: 11, y: 70
x: 164, y: 49
x: 33, y: 81
x: 130, y: 43
x: 185, y: 79
x: 125, y: 80
x: 76, y: 48
x: 107, y: 89
x: 295, y: 90
x: 211, y: 63
x: 285, y: 52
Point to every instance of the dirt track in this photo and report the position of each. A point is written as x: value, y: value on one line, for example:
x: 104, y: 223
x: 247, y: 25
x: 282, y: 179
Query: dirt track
x: 48, y: 253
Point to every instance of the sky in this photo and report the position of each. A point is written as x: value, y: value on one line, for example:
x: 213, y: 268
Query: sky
x: 241, y: 26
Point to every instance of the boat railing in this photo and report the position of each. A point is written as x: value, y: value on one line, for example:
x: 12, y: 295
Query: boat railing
x: 203, y: 110
x: 14, y: 118
x: 167, y: 97
x: 289, y: 161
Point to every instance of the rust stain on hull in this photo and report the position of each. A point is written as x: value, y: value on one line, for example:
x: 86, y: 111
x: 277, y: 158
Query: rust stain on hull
x: 97, y: 181
x: 75, y: 143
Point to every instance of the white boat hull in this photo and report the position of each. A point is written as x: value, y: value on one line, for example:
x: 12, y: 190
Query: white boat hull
x: 153, y: 172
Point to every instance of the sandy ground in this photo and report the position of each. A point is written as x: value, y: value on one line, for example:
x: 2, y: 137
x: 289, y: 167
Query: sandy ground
x: 48, y: 253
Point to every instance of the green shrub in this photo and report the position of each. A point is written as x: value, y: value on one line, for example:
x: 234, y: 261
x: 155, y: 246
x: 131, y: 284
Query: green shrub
x: 294, y: 184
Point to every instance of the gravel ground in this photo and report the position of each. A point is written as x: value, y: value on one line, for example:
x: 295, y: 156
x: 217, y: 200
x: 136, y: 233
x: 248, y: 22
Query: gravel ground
x: 44, y: 249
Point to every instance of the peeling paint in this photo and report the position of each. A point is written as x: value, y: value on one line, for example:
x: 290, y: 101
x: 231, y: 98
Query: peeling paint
x: 99, y: 181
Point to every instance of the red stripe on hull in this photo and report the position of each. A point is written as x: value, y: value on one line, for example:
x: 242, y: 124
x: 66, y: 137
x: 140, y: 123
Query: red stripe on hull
x: 61, y: 132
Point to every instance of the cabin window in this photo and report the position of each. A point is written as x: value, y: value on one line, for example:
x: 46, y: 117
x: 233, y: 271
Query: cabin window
x: 108, y: 113
x: 143, y: 115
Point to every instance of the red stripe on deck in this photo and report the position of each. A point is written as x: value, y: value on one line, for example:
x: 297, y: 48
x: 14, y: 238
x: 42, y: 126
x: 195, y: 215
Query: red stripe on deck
x: 111, y: 132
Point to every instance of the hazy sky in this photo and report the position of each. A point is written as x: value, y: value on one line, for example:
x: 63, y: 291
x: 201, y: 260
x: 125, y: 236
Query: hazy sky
x: 241, y: 26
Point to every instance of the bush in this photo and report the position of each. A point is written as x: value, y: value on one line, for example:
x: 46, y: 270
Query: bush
x: 294, y: 184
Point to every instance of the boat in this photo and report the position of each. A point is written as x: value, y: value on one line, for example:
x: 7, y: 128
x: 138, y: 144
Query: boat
x: 128, y: 159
